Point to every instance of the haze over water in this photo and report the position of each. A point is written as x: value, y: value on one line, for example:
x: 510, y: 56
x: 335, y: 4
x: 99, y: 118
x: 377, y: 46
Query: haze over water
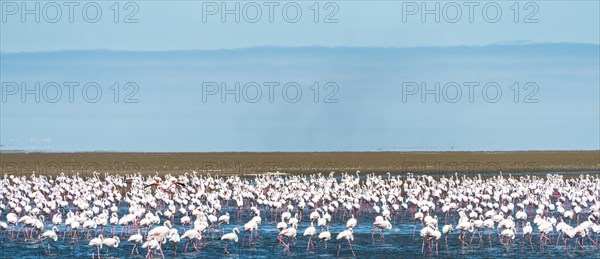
x: 351, y: 99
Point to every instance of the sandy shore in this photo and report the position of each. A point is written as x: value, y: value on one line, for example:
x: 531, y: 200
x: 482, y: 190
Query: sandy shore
x: 300, y: 163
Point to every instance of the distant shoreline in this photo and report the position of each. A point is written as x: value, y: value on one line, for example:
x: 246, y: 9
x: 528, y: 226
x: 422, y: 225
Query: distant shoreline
x: 17, y: 151
x: 250, y: 163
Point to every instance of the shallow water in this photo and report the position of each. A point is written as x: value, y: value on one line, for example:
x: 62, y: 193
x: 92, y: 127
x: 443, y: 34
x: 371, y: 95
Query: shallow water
x: 398, y: 242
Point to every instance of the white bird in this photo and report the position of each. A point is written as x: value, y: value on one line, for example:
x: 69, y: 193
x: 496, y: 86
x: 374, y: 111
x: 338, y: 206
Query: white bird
x: 381, y: 223
x: 229, y: 237
x: 192, y: 235
x: 224, y: 218
x: 290, y: 233
x: 50, y: 234
x: 351, y: 222
x: 347, y: 234
x: 527, y: 231
x: 281, y: 225
x: 324, y: 237
x: 310, y: 231
x: 447, y: 229
x: 152, y: 244
x: 251, y: 226
x: 111, y: 242
x: 97, y: 242
x: 509, y: 234
x: 160, y: 231
x: 135, y: 239
x: 174, y: 237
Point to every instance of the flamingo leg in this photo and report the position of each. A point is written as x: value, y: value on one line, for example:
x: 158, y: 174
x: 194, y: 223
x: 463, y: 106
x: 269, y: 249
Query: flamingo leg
x: 415, y: 229
x: 446, y: 242
x: 250, y: 239
x: 592, y: 240
x: 287, y: 246
x: 430, y: 244
x: 351, y: 249
x: 531, y: 243
x: 161, y: 251
x: 372, y: 235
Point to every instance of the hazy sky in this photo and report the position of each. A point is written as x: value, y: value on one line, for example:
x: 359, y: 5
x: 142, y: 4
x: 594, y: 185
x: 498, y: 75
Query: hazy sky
x: 181, y: 25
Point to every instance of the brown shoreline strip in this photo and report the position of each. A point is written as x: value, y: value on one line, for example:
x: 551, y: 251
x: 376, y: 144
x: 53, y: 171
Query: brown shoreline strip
x: 248, y: 163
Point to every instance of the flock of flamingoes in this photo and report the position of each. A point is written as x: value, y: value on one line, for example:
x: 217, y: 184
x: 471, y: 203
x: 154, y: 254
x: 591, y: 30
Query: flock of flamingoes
x: 182, y: 211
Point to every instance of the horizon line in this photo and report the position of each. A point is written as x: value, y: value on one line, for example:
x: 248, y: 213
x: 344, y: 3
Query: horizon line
x: 507, y: 44
x: 338, y: 151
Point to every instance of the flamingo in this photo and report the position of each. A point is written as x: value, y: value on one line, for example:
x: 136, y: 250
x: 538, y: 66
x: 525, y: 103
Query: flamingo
x: 191, y: 235
x: 250, y: 226
x: 509, y: 234
x: 464, y: 226
x: 111, y: 242
x: 224, y: 219
x: 50, y: 234
x: 135, y: 239
x: 152, y: 244
x: 229, y: 237
x: 174, y: 237
x: 426, y: 233
x: 97, y: 242
x: 324, y: 237
x: 527, y: 231
x: 290, y: 233
x: 310, y: 232
x: 447, y: 229
x: 351, y: 222
x: 160, y: 231
x: 381, y: 223
x: 347, y: 234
